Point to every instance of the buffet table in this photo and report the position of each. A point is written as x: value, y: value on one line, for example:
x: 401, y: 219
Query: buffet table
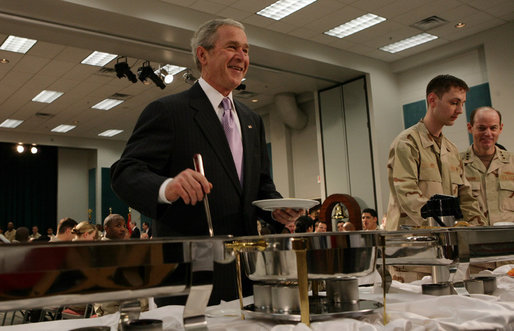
x: 407, y: 309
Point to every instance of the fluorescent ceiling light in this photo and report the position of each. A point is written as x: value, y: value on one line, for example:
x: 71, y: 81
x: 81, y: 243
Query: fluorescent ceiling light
x: 408, y: 43
x: 98, y: 59
x: 356, y: 25
x: 170, y: 69
x: 9, y: 123
x: 47, y: 96
x: 17, y: 44
x: 110, y: 133
x: 107, y: 104
x: 283, y: 8
x: 63, y: 128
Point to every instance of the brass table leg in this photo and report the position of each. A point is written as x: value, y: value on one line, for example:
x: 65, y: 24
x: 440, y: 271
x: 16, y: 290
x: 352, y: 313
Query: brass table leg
x: 303, y: 282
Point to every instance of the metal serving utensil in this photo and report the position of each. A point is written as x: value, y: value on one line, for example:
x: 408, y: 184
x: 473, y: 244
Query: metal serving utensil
x: 198, y: 162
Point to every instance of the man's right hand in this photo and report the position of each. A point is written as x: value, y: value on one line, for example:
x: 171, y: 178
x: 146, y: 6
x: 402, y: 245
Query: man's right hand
x: 189, y: 185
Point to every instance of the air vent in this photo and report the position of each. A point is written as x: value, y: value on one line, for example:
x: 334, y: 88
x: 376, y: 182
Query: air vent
x: 44, y: 115
x: 429, y: 23
x: 246, y: 95
x: 120, y: 96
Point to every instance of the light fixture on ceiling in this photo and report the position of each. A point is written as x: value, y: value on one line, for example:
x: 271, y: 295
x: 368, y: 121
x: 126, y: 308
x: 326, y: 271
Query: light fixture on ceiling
x: 10, y: 123
x: 355, y: 25
x: 168, y: 71
x: 17, y: 44
x: 189, y: 78
x: 110, y: 133
x: 146, y: 73
x: 283, y: 8
x: 98, y: 59
x: 123, y: 70
x: 20, y: 148
x: 4, y: 61
x: 34, y: 149
x: 107, y: 104
x: 63, y: 128
x: 47, y: 96
x: 460, y: 25
x: 408, y: 43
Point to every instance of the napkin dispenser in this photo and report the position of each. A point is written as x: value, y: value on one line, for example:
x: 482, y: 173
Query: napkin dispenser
x: 442, y: 210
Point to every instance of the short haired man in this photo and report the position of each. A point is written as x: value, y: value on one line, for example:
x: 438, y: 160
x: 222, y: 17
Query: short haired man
x: 369, y: 219
x: 423, y: 162
x: 340, y: 226
x: 64, y: 230
x: 489, y: 170
x: 136, y: 233
x: 35, y: 233
x: 304, y: 224
x: 115, y: 227
x: 155, y: 172
x: 10, y: 233
x: 321, y: 226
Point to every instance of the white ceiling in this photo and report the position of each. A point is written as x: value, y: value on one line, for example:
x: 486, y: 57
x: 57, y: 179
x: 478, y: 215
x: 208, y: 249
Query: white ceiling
x: 160, y: 30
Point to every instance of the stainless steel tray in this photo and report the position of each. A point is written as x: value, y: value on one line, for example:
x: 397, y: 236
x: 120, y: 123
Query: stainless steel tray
x: 320, y: 309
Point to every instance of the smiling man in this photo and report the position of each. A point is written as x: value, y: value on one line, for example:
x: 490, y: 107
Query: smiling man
x: 155, y: 173
x: 490, y: 170
x: 423, y: 162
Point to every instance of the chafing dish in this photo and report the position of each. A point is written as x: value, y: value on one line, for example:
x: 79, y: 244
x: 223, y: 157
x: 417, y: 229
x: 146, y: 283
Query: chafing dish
x: 329, y: 255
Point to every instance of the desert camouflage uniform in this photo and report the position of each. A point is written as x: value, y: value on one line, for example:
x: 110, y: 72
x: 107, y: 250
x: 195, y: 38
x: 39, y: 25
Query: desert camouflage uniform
x: 493, y: 187
x: 417, y: 169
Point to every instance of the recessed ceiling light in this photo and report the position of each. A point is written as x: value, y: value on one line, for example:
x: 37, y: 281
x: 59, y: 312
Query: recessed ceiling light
x: 460, y: 25
x: 355, y: 25
x: 408, y: 43
x: 110, y: 133
x: 4, y: 61
x: 17, y: 44
x: 107, y: 104
x: 47, y: 96
x: 98, y: 59
x: 20, y: 148
x: 11, y: 124
x: 283, y: 8
x: 63, y: 128
x: 255, y: 100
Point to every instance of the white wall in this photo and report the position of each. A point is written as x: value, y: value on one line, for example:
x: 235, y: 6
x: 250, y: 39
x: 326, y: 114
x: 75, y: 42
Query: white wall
x: 72, y: 183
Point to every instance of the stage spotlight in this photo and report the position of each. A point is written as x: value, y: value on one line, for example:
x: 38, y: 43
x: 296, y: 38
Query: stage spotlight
x: 20, y: 148
x: 146, y: 72
x: 33, y: 150
x: 189, y: 78
x: 123, y: 70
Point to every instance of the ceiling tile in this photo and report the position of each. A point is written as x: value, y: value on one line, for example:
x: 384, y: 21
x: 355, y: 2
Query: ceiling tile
x: 371, y: 5
x: 303, y: 33
x: 398, y: 7
x: 31, y: 64
x: 183, y: 3
x: 259, y: 20
x: 45, y: 50
x: 281, y: 27
x: 252, y: 6
x: 334, y: 19
x: 207, y: 6
x: 234, y: 13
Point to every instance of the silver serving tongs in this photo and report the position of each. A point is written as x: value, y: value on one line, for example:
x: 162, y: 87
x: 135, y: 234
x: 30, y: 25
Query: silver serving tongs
x: 198, y: 162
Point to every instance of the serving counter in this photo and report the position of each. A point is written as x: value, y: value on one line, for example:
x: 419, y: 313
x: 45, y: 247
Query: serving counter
x: 41, y: 275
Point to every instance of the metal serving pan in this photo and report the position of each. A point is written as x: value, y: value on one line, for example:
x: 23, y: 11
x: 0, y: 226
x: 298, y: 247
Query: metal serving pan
x: 329, y: 255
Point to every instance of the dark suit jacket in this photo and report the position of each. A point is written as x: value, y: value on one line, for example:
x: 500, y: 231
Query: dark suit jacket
x: 135, y: 233
x: 167, y: 135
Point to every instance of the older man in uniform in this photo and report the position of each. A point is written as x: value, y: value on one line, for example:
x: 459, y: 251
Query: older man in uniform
x: 423, y: 162
x: 490, y: 170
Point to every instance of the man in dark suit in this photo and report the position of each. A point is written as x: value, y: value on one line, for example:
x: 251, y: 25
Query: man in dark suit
x: 154, y: 174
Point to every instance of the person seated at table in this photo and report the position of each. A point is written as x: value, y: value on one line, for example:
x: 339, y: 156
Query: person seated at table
x: 35, y: 233
x: 348, y: 226
x: 64, y: 229
x: 369, y: 219
x: 115, y: 227
x: 304, y: 224
x: 339, y: 226
x: 85, y: 231
x: 22, y: 235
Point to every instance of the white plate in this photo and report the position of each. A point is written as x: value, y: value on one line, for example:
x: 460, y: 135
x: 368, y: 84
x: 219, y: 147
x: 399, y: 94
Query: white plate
x: 503, y: 224
x: 272, y: 204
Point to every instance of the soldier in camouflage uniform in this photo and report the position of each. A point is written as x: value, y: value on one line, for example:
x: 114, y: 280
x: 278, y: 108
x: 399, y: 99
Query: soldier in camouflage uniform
x: 489, y: 170
x: 422, y: 162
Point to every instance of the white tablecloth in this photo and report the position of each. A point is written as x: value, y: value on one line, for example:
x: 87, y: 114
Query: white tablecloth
x: 407, y: 309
